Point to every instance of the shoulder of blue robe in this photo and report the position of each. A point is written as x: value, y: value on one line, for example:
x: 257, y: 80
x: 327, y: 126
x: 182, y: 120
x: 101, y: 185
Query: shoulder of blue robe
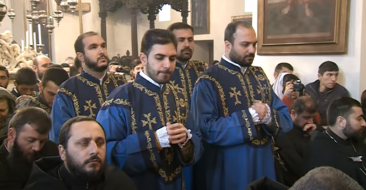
x: 236, y: 128
x: 116, y: 78
x: 125, y: 149
x: 62, y: 110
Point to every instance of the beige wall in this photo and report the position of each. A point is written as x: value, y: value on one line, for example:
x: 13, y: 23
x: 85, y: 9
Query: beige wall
x: 6, y: 24
x: 119, y: 34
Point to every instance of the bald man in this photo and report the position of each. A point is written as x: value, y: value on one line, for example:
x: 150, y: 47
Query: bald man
x: 40, y: 64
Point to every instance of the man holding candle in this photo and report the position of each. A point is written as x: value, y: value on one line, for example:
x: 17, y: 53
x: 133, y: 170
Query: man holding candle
x: 84, y: 94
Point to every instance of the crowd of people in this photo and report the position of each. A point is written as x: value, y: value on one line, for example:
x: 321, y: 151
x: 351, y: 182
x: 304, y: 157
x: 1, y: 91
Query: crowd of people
x: 177, y: 124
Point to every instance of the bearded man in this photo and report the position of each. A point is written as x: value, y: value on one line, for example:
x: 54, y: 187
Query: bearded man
x: 85, y: 93
x: 238, y: 113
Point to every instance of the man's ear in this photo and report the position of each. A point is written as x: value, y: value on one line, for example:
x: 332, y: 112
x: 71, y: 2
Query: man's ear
x: 62, y: 152
x: 80, y: 56
x: 228, y: 46
x: 341, y: 121
x: 12, y: 134
x: 15, y: 83
x: 293, y: 113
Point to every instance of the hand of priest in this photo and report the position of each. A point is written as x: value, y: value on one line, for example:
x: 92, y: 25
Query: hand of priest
x: 260, y: 108
x: 177, y: 133
x: 309, y: 127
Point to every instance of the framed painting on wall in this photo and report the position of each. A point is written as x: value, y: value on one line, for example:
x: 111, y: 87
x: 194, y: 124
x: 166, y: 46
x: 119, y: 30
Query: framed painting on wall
x: 246, y: 18
x: 302, y: 27
x: 200, y: 16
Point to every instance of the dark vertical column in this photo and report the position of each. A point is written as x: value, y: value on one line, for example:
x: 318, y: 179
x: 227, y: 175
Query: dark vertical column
x: 103, y: 20
x: 185, y: 11
x: 151, y: 16
x: 134, y: 37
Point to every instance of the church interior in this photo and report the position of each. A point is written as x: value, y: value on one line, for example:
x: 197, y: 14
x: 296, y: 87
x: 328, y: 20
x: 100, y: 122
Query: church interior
x: 300, y: 35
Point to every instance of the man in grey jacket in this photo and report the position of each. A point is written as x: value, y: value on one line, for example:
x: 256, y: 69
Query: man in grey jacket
x: 326, y: 89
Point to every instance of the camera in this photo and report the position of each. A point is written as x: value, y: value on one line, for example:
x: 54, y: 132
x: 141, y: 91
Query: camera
x: 299, y: 88
x: 119, y: 70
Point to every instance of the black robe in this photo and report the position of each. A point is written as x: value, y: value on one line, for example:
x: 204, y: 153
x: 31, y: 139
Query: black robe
x: 292, y: 149
x: 337, y: 153
x: 51, y: 173
x: 14, y: 178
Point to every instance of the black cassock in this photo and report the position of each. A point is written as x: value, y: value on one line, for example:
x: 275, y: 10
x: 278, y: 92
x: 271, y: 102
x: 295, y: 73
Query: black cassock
x: 327, y: 149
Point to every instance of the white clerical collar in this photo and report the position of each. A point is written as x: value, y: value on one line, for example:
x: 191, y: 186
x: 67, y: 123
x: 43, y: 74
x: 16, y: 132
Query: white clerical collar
x: 185, y: 65
x: 101, y: 79
x: 233, y: 63
x: 143, y: 75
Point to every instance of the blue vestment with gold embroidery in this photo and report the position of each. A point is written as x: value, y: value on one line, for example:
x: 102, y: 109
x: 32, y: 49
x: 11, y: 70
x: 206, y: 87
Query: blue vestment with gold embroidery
x: 237, y: 152
x: 81, y: 95
x: 186, y: 78
x: 130, y: 117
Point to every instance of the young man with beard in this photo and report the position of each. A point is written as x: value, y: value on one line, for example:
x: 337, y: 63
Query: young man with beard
x: 24, y: 83
x: 53, y: 77
x: 7, y: 108
x: 238, y: 113
x: 145, y: 120
x: 4, y: 77
x: 82, y: 161
x: 186, y: 71
x: 338, y: 145
x: 292, y: 146
x: 40, y: 64
x: 85, y: 93
x: 26, y: 142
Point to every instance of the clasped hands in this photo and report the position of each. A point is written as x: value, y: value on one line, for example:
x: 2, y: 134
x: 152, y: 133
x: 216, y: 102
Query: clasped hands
x: 177, y: 133
x: 260, y: 108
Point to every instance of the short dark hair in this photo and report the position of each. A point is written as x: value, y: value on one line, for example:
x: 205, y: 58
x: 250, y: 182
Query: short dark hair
x: 33, y: 116
x: 363, y: 101
x: 55, y: 66
x: 26, y: 76
x: 65, y: 65
x: 304, y: 104
x: 157, y: 36
x: 135, y: 63
x: 2, y: 68
x: 73, y: 71
x: 79, y: 45
x: 114, y: 63
x: 54, y: 74
x: 283, y: 65
x: 232, y: 27
x: 341, y: 107
x: 179, y: 26
x: 289, y: 77
x: 327, y: 66
x: 65, y: 134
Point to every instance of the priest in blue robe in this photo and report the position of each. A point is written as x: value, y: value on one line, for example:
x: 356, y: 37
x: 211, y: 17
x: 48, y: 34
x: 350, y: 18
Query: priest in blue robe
x: 238, y: 113
x: 149, y: 132
x: 85, y: 93
x: 186, y: 71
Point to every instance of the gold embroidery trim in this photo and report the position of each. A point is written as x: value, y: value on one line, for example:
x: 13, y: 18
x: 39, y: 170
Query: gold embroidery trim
x: 221, y: 93
x: 247, y: 124
x: 161, y: 172
x: 73, y: 98
x: 41, y: 105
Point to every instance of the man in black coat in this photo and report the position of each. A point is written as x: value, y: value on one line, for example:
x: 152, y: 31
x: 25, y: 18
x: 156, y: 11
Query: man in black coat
x: 27, y: 141
x: 82, y: 161
x: 338, y: 146
x: 292, y: 146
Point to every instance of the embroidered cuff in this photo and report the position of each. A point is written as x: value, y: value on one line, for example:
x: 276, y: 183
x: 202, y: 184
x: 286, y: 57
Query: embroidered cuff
x: 163, y: 137
x: 189, y: 136
x: 254, y: 115
x: 268, y: 118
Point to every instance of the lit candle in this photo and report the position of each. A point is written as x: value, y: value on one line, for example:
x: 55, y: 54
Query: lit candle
x: 35, y: 41
x: 39, y: 34
x: 30, y: 34
x: 22, y: 45
x: 27, y: 39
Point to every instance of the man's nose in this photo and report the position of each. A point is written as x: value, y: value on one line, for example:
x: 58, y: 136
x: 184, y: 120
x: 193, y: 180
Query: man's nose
x: 36, y: 147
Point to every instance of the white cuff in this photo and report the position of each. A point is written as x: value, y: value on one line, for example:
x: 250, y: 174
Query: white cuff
x: 163, y: 137
x: 254, y: 115
x: 268, y: 118
x: 189, y: 136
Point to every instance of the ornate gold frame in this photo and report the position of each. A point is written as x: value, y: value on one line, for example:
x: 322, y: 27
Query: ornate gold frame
x: 338, y: 46
x: 242, y: 17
